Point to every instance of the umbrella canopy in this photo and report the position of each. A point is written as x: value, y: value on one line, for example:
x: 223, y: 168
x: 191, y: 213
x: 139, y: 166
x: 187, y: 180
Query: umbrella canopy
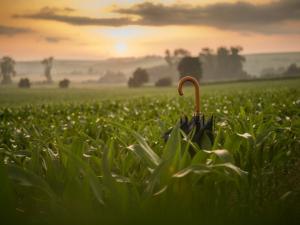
x: 201, y: 130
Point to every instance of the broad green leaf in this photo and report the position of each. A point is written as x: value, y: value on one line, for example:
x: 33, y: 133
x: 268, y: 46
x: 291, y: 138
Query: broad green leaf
x: 26, y: 178
x: 223, y: 155
x: 145, y: 154
x: 89, y: 173
x: 198, y: 169
x: 173, y: 145
x: 231, y: 167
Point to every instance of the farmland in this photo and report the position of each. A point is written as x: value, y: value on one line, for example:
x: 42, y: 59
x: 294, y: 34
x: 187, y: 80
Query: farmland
x: 92, y: 155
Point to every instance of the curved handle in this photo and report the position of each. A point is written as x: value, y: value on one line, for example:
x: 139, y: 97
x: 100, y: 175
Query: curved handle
x: 197, y: 91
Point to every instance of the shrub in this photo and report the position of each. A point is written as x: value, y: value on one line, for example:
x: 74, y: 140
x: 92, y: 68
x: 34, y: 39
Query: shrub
x: 164, y: 82
x: 139, y: 77
x: 292, y: 70
x: 64, y: 83
x: 133, y: 83
x: 24, y: 83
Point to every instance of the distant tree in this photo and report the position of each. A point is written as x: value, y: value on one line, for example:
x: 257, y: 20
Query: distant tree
x: 164, y: 82
x: 139, y: 77
x: 7, y: 69
x: 236, y: 61
x: 181, y: 52
x: 178, y: 54
x: 208, y: 59
x: 48, y: 63
x: 64, y: 83
x: 112, y: 77
x: 133, y: 83
x: 223, y: 62
x: 24, y: 83
x: 190, y: 66
x: 292, y: 70
x: 168, y: 58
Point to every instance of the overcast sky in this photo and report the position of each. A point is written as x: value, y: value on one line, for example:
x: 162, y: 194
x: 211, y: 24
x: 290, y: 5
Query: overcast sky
x: 94, y: 29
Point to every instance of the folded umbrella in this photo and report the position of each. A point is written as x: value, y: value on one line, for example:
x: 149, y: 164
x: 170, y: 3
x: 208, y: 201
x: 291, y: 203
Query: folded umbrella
x: 201, y: 130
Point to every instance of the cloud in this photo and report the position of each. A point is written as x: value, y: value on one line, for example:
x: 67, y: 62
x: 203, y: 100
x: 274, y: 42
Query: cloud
x: 54, y: 40
x: 48, y: 9
x: 55, y: 14
x: 233, y: 16
x: 12, y: 31
x: 238, y: 16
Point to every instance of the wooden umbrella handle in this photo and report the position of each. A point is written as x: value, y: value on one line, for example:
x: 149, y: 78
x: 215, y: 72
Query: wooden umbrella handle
x: 197, y: 91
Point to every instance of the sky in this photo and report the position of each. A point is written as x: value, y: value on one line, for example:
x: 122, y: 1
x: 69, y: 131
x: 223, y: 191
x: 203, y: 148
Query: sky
x: 99, y: 29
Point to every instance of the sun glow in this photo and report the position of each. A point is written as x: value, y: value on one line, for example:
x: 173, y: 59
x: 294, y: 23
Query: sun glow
x: 121, y: 48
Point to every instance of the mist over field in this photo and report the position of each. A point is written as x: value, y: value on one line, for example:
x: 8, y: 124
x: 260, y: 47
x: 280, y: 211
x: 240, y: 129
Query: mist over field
x: 91, y: 71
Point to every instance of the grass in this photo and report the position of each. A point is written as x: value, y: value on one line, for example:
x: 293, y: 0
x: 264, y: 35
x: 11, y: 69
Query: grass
x: 92, y: 156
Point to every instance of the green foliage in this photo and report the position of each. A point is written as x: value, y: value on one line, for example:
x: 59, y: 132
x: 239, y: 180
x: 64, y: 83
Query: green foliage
x: 106, y: 162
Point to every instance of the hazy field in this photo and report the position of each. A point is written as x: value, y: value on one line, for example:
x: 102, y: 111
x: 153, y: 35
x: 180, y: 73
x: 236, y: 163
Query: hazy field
x: 95, y: 155
x: 83, y: 93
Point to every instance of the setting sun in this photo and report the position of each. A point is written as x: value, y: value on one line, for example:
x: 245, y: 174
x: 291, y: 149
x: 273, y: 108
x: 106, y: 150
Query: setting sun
x: 121, y: 48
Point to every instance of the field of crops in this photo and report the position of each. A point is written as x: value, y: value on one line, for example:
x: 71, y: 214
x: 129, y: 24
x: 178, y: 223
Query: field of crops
x: 97, y: 156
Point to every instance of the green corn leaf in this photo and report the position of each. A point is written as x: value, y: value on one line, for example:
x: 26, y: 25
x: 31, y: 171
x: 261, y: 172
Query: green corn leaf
x: 145, y: 154
x: 223, y: 155
x: 231, y: 168
x: 173, y: 145
x: 197, y: 169
x: 89, y: 173
x: 26, y: 178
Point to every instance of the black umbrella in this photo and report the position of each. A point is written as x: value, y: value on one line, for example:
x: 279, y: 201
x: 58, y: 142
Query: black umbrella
x: 203, y: 130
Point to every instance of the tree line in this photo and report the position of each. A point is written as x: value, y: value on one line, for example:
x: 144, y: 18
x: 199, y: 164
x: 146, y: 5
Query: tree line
x: 291, y: 71
x: 224, y: 64
x: 7, y: 71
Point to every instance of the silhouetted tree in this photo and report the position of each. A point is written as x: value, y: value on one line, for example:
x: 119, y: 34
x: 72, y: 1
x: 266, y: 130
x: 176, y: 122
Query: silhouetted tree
x: 111, y: 77
x: 64, y: 83
x: 139, y: 77
x: 133, y: 83
x: 24, y: 83
x: 48, y: 63
x: 164, y: 82
x: 7, y: 69
x: 208, y: 59
x: 168, y: 58
x: 236, y: 61
x: 222, y: 62
x: 178, y: 54
x: 181, y: 52
x: 190, y: 66
x: 226, y: 63
x: 292, y: 70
